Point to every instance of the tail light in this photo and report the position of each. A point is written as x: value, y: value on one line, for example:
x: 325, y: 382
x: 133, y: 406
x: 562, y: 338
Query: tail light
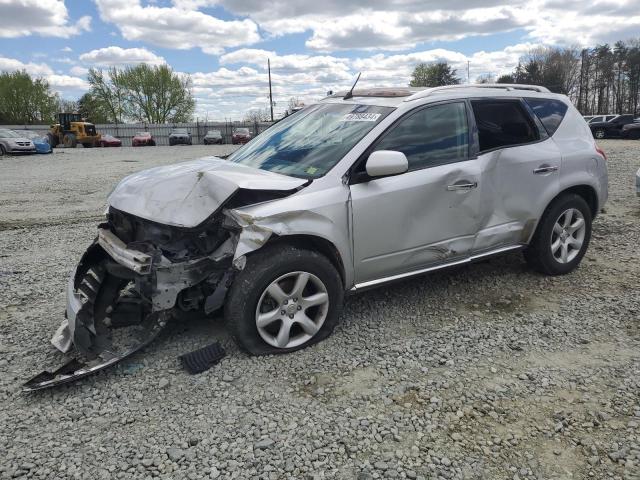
x: 601, y: 152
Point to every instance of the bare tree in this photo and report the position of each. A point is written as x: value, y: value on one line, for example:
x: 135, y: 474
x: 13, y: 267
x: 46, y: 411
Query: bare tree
x: 256, y: 115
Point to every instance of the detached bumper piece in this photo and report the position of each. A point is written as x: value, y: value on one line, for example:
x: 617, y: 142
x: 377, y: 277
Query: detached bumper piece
x: 202, y: 359
x: 76, y: 369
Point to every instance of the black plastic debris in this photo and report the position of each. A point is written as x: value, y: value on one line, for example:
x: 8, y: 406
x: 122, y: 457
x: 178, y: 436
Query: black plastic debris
x: 202, y: 359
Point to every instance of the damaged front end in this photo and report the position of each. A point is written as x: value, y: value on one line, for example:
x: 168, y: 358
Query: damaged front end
x: 135, y: 277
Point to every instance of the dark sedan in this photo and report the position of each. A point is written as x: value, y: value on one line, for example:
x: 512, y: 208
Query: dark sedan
x: 180, y: 136
x: 610, y: 129
x: 631, y: 130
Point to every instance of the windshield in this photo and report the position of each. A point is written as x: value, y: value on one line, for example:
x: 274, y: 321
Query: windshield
x: 4, y: 133
x: 242, y: 130
x: 143, y: 134
x: 180, y: 131
x: 310, y: 143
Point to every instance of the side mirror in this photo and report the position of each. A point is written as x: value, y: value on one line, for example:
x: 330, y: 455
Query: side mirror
x: 386, y: 162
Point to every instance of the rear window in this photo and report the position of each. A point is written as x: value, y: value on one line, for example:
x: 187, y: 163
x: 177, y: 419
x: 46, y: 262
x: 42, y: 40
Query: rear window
x: 549, y: 111
x: 502, y: 123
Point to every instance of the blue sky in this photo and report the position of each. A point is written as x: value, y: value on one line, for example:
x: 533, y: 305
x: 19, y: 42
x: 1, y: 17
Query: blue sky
x: 313, y: 46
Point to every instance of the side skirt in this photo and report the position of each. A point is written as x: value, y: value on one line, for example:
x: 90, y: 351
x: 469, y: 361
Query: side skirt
x: 479, y: 256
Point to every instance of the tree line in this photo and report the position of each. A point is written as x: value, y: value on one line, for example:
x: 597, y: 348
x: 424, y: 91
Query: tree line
x: 600, y: 80
x: 142, y: 93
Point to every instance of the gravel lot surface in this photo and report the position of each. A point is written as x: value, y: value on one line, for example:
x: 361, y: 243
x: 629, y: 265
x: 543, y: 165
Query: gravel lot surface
x: 486, y: 372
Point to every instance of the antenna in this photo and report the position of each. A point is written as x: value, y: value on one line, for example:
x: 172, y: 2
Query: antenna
x: 350, y: 92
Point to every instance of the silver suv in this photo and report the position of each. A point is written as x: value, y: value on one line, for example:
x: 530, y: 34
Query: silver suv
x: 356, y: 191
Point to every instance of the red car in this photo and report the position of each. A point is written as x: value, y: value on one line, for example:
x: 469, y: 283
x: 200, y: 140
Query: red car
x: 240, y: 135
x: 143, y: 139
x: 110, y: 141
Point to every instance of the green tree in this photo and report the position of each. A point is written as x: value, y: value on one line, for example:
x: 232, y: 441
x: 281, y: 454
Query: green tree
x: 24, y: 100
x: 156, y: 94
x: 93, y: 109
x: 107, y: 93
x: 433, y: 75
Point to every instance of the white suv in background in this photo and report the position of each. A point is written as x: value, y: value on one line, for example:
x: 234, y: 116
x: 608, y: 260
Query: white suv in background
x: 361, y: 189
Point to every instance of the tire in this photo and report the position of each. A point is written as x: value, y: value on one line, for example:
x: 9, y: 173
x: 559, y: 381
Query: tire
x: 248, y: 293
x: 3, y: 152
x: 546, y: 252
x: 152, y: 143
x: 634, y: 135
x: 87, y: 145
x: 52, y: 139
x: 69, y: 141
x: 599, y: 134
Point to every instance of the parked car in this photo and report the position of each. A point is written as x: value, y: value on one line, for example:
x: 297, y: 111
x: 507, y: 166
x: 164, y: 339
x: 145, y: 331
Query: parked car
x: 213, y: 137
x: 14, y: 143
x: 180, y: 136
x: 631, y: 130
x: 602, y: 118
x: 143, y: 139
x: 611, y: 128
x: 110, y: 141
x: 39, y: 140
x: 395, y: 183
x: 240, y: 135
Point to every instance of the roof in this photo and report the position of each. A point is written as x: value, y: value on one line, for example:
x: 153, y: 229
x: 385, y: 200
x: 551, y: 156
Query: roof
x: 395, y: 96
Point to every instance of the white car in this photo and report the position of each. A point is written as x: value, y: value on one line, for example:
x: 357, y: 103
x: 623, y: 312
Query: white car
x: 12, y: 142
x: 361, y: 189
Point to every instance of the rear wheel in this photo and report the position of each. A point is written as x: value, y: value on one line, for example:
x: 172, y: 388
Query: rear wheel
x: 285, y: 299
x: 562, y: 237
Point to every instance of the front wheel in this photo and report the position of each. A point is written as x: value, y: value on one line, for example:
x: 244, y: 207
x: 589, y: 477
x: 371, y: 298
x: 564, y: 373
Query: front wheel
x: 562, y: 237
x: 599, y: 134
x: 285, y: 299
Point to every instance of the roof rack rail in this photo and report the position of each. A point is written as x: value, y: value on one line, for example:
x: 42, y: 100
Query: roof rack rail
x: 502, y: 86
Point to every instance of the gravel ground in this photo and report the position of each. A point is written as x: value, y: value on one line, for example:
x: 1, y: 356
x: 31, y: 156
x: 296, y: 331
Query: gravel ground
x: 486, y: 372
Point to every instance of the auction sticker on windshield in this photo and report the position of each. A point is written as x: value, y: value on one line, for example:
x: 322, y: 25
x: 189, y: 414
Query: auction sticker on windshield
x: 361, y: 117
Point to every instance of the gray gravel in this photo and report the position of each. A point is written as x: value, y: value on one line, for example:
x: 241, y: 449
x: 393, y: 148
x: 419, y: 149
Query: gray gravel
x: 486, y: 372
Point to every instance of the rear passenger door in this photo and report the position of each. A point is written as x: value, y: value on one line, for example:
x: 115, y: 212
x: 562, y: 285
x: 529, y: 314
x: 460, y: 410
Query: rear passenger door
x: 520, y: 171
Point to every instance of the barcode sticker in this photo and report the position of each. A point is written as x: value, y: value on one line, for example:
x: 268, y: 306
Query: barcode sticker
x: 361, y: 117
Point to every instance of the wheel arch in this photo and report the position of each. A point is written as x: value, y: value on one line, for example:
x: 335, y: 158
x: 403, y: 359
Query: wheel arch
x: 316, y: 243
x: 587, y: 192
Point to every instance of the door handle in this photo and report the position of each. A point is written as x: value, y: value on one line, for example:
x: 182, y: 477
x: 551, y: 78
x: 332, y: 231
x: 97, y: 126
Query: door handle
x: 462, y: 186
x: 545, y: 169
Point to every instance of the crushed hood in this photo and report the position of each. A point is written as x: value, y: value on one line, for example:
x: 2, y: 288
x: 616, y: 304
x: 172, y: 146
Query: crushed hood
x: 186, y: 194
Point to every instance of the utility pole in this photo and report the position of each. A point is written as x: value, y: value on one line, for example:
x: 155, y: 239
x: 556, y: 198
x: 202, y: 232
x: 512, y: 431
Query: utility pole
x: 270, y: 96
x: 468, y: 72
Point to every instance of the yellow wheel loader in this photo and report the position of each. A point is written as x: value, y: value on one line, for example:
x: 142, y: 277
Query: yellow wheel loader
x: 72, y: 130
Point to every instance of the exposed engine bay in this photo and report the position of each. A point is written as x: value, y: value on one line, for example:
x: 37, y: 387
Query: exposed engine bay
x: 139, y: 274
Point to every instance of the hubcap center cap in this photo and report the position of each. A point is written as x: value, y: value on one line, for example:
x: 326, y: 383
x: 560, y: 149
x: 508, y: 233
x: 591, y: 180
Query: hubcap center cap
x: 291, y: 309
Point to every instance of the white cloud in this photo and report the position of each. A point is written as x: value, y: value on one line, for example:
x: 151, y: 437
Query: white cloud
x: 36, y: 69
x: 117, y: 56
x: 398, y: 25
x: 78, y: 71
x: 66, y: 82
x: 42, y: 17
x: 177, y: 27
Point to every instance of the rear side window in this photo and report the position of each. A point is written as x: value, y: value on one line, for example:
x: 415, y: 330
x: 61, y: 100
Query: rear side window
x: 502, y: 123
x: 435, y: 135
x: 549, y: 111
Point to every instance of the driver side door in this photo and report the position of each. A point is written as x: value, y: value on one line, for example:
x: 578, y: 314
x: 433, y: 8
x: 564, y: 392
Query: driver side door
x: 427, y: 215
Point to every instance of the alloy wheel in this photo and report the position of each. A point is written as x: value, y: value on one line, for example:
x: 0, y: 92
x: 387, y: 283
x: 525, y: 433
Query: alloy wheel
x: 568, y: 235
x: 292, y: 309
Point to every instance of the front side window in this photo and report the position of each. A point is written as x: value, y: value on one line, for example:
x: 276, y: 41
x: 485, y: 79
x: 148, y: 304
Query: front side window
x: 311, y: 142
x: 502, y: 123
x: 549, y: 111
x: 435, y: 135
